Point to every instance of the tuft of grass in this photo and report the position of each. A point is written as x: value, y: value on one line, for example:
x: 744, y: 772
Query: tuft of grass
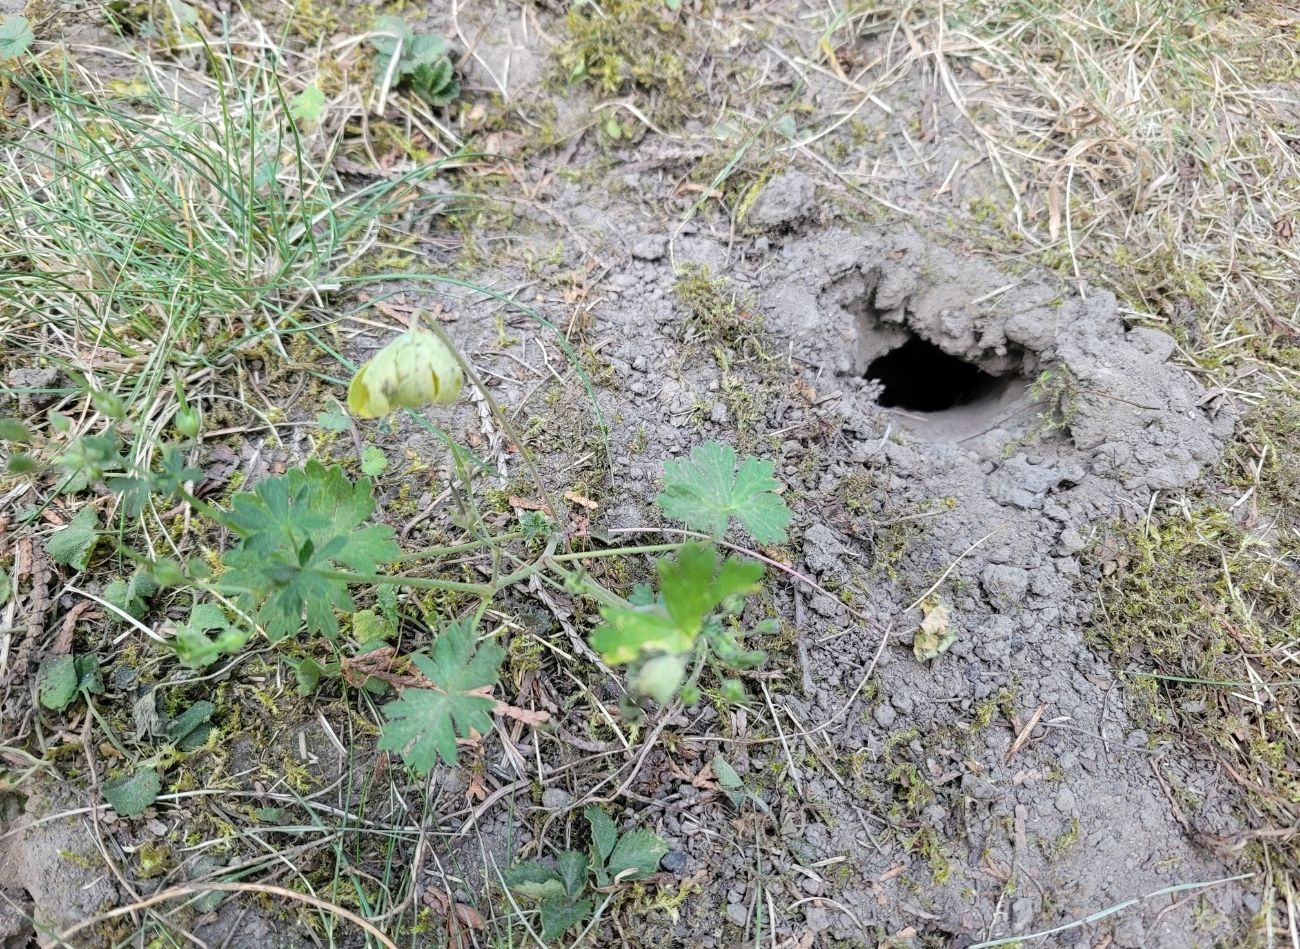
x: 1149, y: 144
x: 146, y: 239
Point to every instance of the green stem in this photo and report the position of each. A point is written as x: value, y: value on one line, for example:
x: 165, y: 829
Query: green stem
x: 621, y: 551
x: 419, y: 583
x: 432, y: 553
x: 589, y: 586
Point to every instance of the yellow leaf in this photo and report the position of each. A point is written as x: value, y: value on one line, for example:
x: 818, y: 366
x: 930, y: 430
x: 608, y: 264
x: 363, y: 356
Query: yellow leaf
x: 412, y: 371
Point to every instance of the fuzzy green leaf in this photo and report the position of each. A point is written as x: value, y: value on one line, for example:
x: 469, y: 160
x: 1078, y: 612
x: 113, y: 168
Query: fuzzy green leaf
x: 636, y: 856
x: 559, y: 916
x: 191, y: 724
x: 73, y: 545
x: 435, y: 82
x: 572, y: 865
x: 296, y: 527
x: 424, y: 723
x: 706, y: 491
x: 627, y: 633
x: 334, y: 421
x: 693, y: 585
x: 195, y: 648
x: 12, y: 430
x: 130, y: 794
x: 369, y: 627
x: 533, y: 880
x: 308, y: 105
x: 15, y: 36
x: 130, y: 595
x: 604, y: 835
x: 373, y: 460
x: 425, y: 49
x: 56, y: 682
x: 90, y: 678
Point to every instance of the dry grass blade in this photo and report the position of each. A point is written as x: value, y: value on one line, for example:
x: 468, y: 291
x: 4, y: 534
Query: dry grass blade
x: 1025, y: 732
x: 193, y: 889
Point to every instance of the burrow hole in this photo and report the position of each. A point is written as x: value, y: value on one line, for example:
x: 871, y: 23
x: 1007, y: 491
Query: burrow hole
x: 918, y: 376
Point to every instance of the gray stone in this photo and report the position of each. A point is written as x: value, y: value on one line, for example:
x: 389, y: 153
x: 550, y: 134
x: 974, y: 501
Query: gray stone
x: 649, y: 247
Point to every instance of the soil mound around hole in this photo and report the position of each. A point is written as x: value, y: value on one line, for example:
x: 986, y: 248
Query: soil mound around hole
x: 971, y: 427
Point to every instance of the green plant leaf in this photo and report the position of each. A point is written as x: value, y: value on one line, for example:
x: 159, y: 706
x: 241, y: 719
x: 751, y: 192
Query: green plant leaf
x: 604, y: 835
x: 15, y: 36
x: 636, y: 856
x: 295, y: 528
x: 572, y: 865
x: 369, y: 627
x: 73, y: 545
x: 195, y: 648
x: 373, y: 460
x: 435, y: 82
x: 425, y: 49
x: 307, y: 672
x: 533, y: 880
x: 308, y: 105
x: 390, y: 36
x: 56, y: 682
x: 706, y: 491
x: 12, y: 430
x: 423, y: 724
x: 131, y: 595
x: 559, y: 916
x: 729, y: 781
x: 130, y: 794
x: 89, y: 676
x: 693, y: 585
x: 659, y: 677
x: 189, y: 730
x: 334, y: 421
x: 627, y: 633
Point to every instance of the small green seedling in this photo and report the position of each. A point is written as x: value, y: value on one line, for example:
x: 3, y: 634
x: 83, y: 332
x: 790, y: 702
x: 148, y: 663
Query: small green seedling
x: 561, y: 893
x: 701, y: 595
x: 418, y: 62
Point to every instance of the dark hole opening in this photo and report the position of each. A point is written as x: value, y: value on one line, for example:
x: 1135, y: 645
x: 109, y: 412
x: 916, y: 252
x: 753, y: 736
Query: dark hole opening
x: 921, y: 377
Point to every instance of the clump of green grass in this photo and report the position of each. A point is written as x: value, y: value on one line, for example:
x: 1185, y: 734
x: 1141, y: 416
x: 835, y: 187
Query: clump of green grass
x: 147, y: 240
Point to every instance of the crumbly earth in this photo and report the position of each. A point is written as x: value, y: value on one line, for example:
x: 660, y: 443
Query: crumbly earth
x: 900, y: 802
x: 997, y: 790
